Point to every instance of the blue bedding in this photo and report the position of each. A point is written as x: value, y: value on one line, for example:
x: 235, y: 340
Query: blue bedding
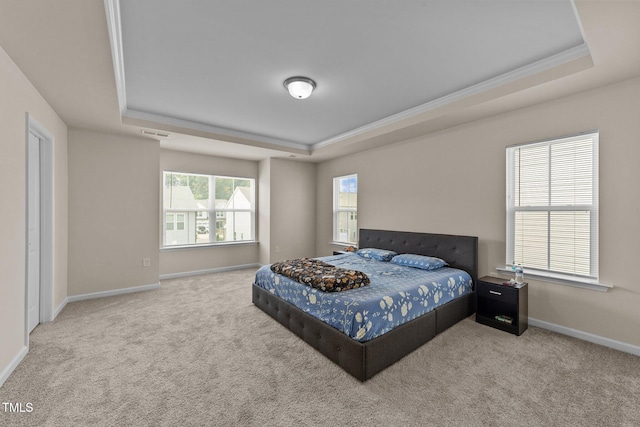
x: 396, y: 295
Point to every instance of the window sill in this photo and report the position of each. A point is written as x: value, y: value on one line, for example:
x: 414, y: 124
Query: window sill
x: 593, y: 285
x: 342, y: 244
x: 206, y: 245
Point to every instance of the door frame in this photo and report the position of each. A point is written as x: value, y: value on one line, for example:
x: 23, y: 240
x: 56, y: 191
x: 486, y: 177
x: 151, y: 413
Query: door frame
x: 46, y: 222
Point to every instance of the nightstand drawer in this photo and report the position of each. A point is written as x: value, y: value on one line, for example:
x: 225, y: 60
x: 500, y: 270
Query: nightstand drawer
x: 497, y: 292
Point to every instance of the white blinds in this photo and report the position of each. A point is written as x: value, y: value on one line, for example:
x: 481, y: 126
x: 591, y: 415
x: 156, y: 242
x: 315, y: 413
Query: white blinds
x: 552, y: 205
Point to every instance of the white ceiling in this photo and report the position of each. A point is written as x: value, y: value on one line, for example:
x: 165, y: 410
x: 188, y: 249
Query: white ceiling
x: 210, y: 73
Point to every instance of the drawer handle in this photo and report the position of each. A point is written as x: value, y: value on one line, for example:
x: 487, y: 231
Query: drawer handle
x: 495, y: 293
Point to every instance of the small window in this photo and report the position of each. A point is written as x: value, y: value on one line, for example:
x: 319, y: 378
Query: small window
x: 170, y: 222
x: 345, y: 209
x: 552, y: 206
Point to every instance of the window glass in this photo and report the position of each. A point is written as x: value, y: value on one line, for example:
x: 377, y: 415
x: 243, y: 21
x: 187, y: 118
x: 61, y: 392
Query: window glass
x: 345, y: 218
x: 180, y: 222
x: 204, y: 209
x: 552, y: 206
x: 170, y: 220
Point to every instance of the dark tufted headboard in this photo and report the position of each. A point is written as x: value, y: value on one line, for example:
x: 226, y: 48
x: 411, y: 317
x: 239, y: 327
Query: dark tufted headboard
x: 459, y: 251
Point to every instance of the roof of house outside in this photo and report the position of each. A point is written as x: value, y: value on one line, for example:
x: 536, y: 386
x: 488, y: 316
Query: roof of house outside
x: 179, y: 197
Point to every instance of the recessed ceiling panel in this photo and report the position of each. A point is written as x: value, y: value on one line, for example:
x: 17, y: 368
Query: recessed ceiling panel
x: 221, y: 64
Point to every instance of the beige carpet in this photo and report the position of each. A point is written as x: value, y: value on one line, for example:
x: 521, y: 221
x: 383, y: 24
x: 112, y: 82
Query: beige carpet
x: 197, y: 352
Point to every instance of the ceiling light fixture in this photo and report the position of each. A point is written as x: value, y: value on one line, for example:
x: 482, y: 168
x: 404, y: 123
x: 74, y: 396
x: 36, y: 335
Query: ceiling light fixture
x: 300, y: 87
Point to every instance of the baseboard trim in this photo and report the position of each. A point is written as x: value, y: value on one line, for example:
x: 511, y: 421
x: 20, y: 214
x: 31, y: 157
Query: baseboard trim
x: 8, y: 370
x: 208, y: 271
x: 115, y: 292
x: 586, y: 336
x: 59, y: 309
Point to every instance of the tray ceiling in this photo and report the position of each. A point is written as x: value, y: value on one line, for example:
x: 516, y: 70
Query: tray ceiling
x: 215, y: 68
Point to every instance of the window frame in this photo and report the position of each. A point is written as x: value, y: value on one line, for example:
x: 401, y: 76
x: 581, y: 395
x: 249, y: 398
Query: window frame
x: 592, y: 279
x: 212, y: 212
x: 337, y: 209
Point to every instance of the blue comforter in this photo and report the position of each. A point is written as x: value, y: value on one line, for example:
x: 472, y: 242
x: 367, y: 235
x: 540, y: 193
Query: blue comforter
x: 396, y: 295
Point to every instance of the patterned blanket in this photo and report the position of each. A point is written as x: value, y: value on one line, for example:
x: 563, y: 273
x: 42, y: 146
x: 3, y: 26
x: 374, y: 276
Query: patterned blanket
x: 320, y: 275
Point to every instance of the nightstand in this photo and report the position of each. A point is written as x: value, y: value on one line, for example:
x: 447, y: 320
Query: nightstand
x: 339, y: 252
x: 501, y: 306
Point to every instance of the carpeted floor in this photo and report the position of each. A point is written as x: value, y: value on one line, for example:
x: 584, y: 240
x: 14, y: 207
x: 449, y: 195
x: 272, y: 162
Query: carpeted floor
x: 197, y: 352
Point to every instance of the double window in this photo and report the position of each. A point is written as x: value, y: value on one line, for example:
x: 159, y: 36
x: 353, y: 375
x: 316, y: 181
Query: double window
x: 552, y: 207
x: 204, y: 209
x: 345, y: 209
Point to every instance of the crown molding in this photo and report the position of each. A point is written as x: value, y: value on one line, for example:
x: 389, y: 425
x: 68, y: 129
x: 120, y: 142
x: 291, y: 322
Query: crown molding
x: 112, y: 9
x: 530, y: 70
x: 172, y: 124
x: 135, y: 117
x: 129, y: 116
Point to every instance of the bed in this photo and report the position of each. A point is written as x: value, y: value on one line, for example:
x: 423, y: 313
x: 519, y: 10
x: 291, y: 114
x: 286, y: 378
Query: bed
x: 364, y: 356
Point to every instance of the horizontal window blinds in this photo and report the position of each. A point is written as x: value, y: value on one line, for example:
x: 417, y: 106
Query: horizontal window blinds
x: 552, y: 205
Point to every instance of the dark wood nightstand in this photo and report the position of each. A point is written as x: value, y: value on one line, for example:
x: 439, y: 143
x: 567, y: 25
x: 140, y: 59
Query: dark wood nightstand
x: 501, y: 306
x: 339, y: 252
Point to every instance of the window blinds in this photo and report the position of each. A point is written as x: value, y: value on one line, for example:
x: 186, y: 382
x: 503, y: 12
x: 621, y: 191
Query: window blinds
x: 552, y: 205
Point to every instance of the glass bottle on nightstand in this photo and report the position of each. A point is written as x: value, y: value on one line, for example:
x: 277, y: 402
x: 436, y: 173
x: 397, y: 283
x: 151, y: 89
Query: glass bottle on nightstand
x: 519, y: 274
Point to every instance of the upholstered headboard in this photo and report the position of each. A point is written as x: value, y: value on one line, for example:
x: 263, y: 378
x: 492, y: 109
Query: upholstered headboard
x: 459, y: 251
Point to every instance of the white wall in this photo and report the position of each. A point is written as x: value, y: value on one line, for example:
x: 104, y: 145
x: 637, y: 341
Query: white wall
x: 113, y: 212
x: 453, y: 182
x: 18, y: 97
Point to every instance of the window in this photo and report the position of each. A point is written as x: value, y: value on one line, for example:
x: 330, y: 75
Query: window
x: 205, y: 209
x: 171, y: 220
x: 552, y: 207
x: 345, y: 209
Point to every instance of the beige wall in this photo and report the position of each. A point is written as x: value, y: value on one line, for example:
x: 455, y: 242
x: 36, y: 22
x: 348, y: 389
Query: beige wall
x: 264, y: 211
x: 293, y: 209
x: 184, y: 260
x: 287, y: 210
x: 454, y: 182
x: 18, y: 96
x: 113, y: 211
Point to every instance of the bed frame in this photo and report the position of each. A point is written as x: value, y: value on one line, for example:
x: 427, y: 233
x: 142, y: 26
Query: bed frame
x: 365, y: 359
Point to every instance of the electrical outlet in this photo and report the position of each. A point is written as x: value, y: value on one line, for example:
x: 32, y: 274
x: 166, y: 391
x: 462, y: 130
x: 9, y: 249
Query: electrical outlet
x: 146, y: 262
x: 277, y: 249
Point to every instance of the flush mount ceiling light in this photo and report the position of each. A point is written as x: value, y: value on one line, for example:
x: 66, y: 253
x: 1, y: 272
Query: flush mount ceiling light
x: 300, y: 87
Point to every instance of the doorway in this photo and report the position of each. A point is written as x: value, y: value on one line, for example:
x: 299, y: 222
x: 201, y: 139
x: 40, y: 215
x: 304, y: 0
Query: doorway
x: 39, y: 224
x: 33, y: 231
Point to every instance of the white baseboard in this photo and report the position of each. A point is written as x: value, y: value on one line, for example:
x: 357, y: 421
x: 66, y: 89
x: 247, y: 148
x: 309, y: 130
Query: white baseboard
x: 4, y: 374
x: 585, y: 336
x: 115, y: 292
x: 59, y: 309
x: 208, y: 271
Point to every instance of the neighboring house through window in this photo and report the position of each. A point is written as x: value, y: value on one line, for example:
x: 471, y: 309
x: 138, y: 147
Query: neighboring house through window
x: 552, y: 207
x: 345, y: 209
x: 204, y: 209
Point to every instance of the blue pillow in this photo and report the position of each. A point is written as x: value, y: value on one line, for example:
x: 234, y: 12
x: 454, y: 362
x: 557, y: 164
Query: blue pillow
x: 377, y: 254
x: 419, y: 261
